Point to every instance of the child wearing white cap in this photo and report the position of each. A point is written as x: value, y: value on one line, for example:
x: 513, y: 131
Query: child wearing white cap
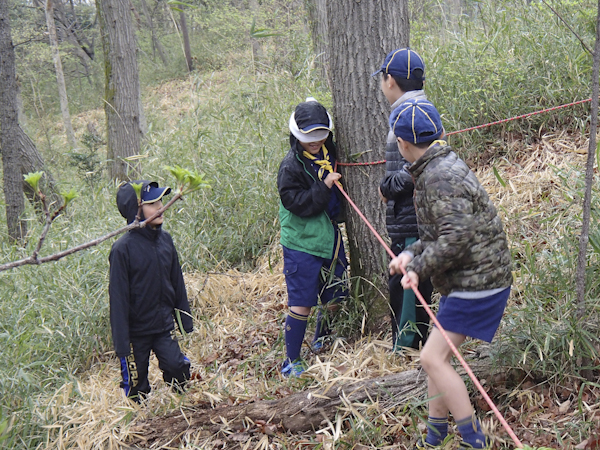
x: 313, y: 251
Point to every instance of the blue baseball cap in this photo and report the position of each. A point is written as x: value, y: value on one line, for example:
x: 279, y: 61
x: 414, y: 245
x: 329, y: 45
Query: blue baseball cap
x: 403, y: 63
x: 416, y: 121
x: 152, y: 193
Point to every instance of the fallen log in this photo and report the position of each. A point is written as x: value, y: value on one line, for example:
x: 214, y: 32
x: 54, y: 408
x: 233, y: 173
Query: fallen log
x: 294, y: 413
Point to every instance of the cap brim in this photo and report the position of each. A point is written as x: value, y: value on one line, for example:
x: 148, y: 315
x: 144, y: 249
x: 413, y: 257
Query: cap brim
x: 311, y: 128
x: 313, y: 136
x: 375, y: 73
x: 155, y: 194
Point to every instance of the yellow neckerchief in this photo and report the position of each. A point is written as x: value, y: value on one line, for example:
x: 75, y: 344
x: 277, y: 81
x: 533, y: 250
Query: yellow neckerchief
x: 439, y: 141
x: 324, y: 164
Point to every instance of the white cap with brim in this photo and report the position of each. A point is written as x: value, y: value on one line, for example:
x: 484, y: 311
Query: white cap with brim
x: 314, y: 134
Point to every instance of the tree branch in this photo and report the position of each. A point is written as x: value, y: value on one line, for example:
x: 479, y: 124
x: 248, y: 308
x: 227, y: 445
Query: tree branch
x: 34, y: 260
x: 569, y: 27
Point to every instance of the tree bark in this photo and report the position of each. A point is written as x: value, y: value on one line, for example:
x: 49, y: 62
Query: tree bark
x: 9, y: 126
x: 122, y: 100
x: 60, y: 77
x: 319, y: 30
x: 360, y: 35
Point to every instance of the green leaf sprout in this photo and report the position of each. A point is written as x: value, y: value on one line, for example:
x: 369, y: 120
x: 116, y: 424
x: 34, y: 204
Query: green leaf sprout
x: 33, y: 179
x: 187, y: 181
x: 69, y: 196
x: 137, y: 187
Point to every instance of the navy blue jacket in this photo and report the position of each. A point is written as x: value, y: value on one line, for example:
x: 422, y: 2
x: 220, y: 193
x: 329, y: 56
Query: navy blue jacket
x: 146, y: 283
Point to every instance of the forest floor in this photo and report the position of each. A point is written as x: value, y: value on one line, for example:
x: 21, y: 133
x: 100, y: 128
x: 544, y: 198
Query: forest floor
x: 237, y: 349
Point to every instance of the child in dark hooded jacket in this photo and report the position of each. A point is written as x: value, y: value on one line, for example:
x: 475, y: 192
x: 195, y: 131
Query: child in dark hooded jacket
x: 313, y: 251
x: 147, y: 295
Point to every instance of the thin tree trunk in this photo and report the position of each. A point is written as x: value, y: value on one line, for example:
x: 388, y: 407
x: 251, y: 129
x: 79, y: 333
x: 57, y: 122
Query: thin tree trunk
x: 60, y: 77
x: 186, y: 41
x: 589, y: 179
x: 360, y: 35
x: 9, y: 125
x: 156, y: 44
x: 122, y: 100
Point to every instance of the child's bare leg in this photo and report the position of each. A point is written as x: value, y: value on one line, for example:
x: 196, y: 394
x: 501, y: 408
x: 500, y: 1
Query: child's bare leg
x: 435, y: 359
x: 445, y: 384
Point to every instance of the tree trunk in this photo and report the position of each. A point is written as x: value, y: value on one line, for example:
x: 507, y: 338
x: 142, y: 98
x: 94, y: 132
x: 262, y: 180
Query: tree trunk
x: 359, y: 38
x: 60, y: 77
x: 122, y: 102
x: 156, y: 44
x: 186, y: 41
x: 587, y: 198
x: 319, y: 30
x: 9, y: 125
x: 589, y: 178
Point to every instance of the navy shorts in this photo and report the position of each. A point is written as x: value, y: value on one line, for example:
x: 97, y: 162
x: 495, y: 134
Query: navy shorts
x: 477, y: 318
x: 307, y: 283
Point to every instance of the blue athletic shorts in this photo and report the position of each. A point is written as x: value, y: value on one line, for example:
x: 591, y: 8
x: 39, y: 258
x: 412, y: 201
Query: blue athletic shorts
x: 477, y: 318
x: 305, y: 285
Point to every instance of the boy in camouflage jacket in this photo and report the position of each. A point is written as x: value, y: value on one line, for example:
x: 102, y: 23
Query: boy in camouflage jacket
x: 464, y: 250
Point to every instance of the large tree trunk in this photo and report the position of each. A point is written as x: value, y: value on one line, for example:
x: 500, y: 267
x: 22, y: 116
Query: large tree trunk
x: 122, y: 102
x: 60, y: 77
x: 360, y: 35
x: 9, y: 125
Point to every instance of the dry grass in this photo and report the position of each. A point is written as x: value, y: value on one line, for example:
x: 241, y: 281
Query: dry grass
x: 237, y: 347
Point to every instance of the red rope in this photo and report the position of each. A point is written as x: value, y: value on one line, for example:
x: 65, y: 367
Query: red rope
x: 477, y: 127
x: 485, y: 395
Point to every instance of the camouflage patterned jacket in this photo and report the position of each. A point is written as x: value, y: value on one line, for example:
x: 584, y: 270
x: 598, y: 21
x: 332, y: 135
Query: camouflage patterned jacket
x: 462, y: 246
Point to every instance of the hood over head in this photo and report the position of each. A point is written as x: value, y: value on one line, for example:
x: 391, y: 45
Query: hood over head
x: 127, y: 201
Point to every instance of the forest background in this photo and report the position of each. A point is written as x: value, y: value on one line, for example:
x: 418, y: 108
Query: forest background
x: 252, y: 61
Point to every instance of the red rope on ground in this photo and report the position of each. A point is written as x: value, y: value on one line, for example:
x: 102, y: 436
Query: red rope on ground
x: 485, y: 395
x: 477, y: 127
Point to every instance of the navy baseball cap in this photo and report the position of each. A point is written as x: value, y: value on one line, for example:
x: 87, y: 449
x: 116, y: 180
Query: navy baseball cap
x: 152, y: 193
x: 403, y: 63
x: 416, y: 121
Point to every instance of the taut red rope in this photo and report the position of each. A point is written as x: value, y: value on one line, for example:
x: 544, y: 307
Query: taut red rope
x: 485, y: 395
x: 485, y: 125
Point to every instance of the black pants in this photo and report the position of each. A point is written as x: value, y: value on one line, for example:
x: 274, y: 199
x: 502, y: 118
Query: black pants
x: 171, y: 361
